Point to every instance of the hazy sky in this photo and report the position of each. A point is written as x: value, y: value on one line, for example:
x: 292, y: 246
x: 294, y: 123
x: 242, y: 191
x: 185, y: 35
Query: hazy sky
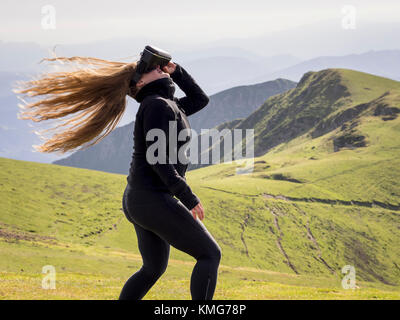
x: 181, y: 20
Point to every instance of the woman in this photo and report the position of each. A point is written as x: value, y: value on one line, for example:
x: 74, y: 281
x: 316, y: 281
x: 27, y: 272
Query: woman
x: 159, y: 219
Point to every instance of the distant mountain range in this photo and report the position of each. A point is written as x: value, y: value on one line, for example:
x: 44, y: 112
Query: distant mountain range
x: 218, y: 73
x: 17, y: 136
x: 216, y: 68
x: 381, y: 63
x: 221, y: 66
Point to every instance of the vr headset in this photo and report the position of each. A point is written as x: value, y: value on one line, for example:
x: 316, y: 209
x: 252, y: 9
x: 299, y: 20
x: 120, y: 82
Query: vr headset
x: 150, y: 57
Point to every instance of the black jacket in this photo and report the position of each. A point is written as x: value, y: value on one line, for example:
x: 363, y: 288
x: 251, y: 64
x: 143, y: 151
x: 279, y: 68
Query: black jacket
x: 157, y: 107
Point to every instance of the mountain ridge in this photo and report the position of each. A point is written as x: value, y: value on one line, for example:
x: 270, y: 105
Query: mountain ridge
x: 321, y: 102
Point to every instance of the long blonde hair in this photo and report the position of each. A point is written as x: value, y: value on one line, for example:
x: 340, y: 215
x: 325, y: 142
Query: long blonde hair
x: 98, y: 90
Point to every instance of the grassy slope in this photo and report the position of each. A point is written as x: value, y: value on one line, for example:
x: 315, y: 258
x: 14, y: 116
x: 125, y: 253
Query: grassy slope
x: 71, y: 218
x: 64, y: 233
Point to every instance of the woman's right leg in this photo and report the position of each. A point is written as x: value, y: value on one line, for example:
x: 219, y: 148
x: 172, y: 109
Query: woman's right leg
x: 172, y: 221
x: 155, y: 254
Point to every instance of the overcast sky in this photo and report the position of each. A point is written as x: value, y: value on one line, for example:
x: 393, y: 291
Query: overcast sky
x: 181, y: 20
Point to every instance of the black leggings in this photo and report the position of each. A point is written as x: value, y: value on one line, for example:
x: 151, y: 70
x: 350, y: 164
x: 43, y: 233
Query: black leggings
x: 160, y: 220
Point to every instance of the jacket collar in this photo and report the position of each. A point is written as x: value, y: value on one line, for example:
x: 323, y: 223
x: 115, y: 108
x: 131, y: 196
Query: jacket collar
x: 164, y: 87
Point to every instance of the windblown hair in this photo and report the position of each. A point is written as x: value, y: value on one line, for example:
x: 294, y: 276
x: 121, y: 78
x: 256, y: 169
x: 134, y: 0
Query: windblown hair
x: 97, y: 90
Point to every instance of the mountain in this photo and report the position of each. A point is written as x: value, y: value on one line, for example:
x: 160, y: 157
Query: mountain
x: 114, y: 153
x: 17, y: 136
x: 237, y: 102
x: 218, y: 73
x: 216, y: 68
x: 384, y: 63
x: 321, y: 103
x: 313, y: 39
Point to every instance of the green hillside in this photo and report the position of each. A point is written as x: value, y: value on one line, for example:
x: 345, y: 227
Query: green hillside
x: 71, y: 218
x: 311, y: 206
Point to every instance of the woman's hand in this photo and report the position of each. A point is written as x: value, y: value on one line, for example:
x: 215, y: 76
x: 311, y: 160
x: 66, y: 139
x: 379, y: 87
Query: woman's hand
x: 199, y: 210
x: 169, y: 68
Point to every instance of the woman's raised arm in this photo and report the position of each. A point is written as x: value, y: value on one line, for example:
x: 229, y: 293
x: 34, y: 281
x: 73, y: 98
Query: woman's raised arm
x: 196, y: 99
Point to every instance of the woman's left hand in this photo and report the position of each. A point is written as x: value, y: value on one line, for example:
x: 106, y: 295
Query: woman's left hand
x: 170, y: 67
x: 198, y: 210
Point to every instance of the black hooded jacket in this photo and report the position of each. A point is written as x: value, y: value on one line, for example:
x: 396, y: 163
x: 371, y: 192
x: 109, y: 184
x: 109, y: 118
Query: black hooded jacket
x: 157, y: 107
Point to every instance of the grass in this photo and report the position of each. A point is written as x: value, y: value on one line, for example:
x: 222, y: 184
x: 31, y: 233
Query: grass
x: 279, y: 239
x: 116, y: 267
